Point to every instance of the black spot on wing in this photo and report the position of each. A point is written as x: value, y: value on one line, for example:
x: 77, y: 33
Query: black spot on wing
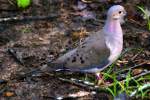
x: 74, y: 59
x: 81, y: 58
x: 82, y: 61
x: 83, y: 46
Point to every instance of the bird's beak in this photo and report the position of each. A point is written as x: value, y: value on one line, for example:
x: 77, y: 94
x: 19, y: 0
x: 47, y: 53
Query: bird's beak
x: 123, y: 19
x: 124, y: 13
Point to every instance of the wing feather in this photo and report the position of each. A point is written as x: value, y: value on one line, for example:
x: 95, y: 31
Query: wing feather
x: 91, y: 52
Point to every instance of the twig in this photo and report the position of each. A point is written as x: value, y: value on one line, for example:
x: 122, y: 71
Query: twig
x: 3, y: 2
x: 87, y: 87
x: 7, y: 10
x: 145, y: 86
x: 135, y: 22
x: 11, y: 2
x: 15, y: 56
x: 137, y: 76
x: 142, y: 74
x: 3, y: 87
x: 127, y: 69
x: 28, y: 18
x: 135, y: 56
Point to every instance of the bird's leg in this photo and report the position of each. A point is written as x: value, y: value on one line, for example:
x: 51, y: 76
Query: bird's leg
x: 100, y: 79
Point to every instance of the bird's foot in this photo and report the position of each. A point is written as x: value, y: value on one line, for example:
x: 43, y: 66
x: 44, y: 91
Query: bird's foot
x: 100, y: 79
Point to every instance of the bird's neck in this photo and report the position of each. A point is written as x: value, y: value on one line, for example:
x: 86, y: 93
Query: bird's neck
x: 114, y: 38
x: 113, y: 28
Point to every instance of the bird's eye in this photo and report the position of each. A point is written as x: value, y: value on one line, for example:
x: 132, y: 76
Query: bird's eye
x: 120, y: 12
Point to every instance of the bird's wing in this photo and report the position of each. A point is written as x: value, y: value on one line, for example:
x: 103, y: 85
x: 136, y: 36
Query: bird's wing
x: 92, y: 53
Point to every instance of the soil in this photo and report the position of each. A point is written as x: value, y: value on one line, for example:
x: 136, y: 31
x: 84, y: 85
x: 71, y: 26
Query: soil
x: 37, y: 42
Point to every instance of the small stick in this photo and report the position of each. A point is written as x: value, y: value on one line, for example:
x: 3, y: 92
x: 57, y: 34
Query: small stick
x: 142, y: 74
x: 28, y: 18
x: 16, y: 57
x: 78, y: 84
x: 136, y: 55
x: 132, y: 67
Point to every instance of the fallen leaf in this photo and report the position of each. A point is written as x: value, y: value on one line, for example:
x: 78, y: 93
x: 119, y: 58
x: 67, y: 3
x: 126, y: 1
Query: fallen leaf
x: 137, y: 71
x: 8, y: 94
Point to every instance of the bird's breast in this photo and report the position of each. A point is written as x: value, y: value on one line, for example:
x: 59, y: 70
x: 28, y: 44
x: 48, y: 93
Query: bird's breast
x: 115, y: 46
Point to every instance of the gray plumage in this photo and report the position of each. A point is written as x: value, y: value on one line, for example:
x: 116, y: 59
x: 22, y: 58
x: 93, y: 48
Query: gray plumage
x: 97, y: 51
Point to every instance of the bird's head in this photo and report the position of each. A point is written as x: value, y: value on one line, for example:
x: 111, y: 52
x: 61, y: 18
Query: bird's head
x: 116, y: 12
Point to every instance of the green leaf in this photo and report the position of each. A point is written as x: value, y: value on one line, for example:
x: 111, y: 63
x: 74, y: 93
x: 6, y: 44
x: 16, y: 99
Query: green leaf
x: 23, y: 3
x: 146, y: 15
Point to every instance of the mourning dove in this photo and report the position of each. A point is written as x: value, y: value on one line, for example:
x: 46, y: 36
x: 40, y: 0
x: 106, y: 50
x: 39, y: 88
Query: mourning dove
x: 97, y: 51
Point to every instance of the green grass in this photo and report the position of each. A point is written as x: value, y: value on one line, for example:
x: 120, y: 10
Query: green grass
x: 132, y: 87
x: 146, y: 15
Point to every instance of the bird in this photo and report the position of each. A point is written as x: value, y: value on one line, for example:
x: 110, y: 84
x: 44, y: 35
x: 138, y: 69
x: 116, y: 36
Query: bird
x: 98, y: 50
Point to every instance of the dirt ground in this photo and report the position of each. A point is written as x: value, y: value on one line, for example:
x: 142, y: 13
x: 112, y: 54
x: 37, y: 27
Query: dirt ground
x: 37, y: 42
